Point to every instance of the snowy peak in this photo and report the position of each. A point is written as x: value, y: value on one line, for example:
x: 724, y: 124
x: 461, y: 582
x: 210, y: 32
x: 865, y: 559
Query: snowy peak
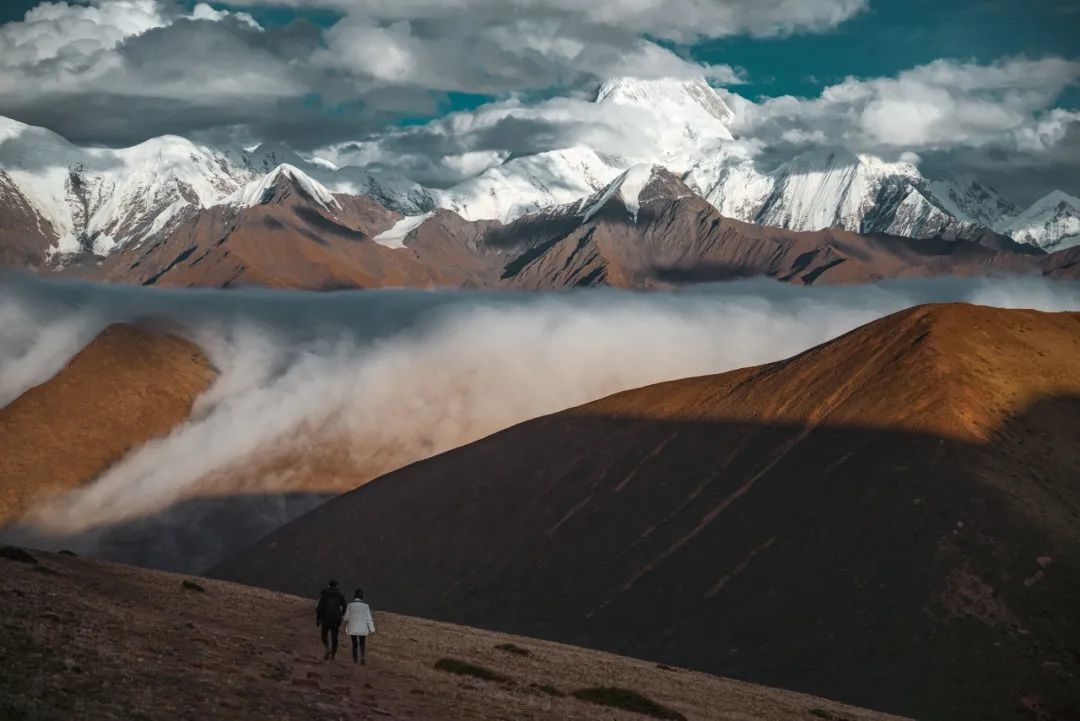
x: 278, y: 183
x: 530, y: 183
x: 1051, y: 222
x: 1054, y: 200
x: 971, y: 201
x: 97, y: 198
x: 641, y: 184
x: 267, y: 157
x: 832, y: 189
x: 684, y: 99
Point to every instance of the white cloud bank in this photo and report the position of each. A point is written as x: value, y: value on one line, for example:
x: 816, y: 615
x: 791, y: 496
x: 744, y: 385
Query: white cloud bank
x: 395, y: 376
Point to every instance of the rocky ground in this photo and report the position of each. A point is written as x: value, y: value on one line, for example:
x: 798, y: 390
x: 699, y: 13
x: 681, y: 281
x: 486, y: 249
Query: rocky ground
x: 90, y: 640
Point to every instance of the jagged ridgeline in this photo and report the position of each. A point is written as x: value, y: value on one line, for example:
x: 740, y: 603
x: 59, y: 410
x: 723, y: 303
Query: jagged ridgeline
x: 59, y: 200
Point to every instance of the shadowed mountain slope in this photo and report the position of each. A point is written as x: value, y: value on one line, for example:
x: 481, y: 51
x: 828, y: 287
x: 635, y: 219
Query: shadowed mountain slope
x: 890, y: 519
x: 129, y: 385
x: 667, y: 236
x: 91, y: 640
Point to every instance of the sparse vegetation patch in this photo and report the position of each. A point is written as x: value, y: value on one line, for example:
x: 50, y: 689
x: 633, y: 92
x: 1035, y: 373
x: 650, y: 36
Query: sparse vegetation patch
x: 453, y: 665
x: 514, y: 649
x: 627, y: 700
x: 548, y: 689
x: 191, y: 586
x: 14, y: 553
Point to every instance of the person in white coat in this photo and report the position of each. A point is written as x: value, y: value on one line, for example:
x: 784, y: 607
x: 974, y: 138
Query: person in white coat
x: 358, y: 625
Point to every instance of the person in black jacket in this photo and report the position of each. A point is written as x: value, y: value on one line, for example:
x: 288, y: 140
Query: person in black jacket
x: 328, y: 613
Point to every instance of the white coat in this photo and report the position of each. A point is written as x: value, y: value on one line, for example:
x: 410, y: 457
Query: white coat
x: 358, y: 620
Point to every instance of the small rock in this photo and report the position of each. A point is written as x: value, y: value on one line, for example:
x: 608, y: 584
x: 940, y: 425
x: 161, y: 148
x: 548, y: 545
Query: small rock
x: 66, y: 552
x: 191, y: 586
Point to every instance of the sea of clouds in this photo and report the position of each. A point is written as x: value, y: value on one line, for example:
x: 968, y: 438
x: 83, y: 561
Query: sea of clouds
x: 394, y: 376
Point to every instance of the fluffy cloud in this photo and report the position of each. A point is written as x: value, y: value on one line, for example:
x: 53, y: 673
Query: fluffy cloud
x: 994, y: 121
x: 69, y: 34
x: 119, y: 70
x: 940, y: 105
x: 469, y: 55
x: 676, y: 20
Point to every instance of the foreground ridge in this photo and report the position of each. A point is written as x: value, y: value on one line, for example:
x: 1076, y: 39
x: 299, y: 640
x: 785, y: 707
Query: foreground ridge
x: 124, y: 642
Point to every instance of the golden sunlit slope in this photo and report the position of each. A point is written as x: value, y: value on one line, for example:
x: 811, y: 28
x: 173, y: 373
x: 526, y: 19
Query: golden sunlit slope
x: 127, y: 386
x: 891, y: 519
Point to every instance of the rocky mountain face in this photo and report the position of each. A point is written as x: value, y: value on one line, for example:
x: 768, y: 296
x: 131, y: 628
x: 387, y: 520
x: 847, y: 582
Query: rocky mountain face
x: 1051, y: 223
x: 645, y: 229
x: 908, y: 486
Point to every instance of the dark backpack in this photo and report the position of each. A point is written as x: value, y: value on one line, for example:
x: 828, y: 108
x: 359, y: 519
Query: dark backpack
x: 331, y: 607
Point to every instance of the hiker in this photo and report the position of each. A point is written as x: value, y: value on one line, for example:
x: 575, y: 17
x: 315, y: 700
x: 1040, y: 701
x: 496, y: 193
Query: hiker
x: 328, y: 617
x: 358, y: 625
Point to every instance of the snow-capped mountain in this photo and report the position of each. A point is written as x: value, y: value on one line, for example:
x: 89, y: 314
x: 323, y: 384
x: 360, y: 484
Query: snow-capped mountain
x: 262, y: 189
x: 57, y: 198
x: 969, y: 200
x: 681, y: 119
x: 1052, y: 222
x: 530, y: 183
x: 687, y: 124
x: 640, y: 184
x: 94, y: 199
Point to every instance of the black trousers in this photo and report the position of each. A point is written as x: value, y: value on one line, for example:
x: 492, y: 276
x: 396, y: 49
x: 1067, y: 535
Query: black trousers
x: 359, y: 644
x: 331, y: 630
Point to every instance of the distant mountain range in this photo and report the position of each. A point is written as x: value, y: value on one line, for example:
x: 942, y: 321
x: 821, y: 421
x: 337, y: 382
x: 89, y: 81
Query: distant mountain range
x: 645, y: 229
x: 64, y: 206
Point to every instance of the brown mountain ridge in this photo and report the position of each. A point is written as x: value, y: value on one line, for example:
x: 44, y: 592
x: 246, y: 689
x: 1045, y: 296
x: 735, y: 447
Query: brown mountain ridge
x: 127, y: 386
x: 292, y: 240
x: 890, y: 519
